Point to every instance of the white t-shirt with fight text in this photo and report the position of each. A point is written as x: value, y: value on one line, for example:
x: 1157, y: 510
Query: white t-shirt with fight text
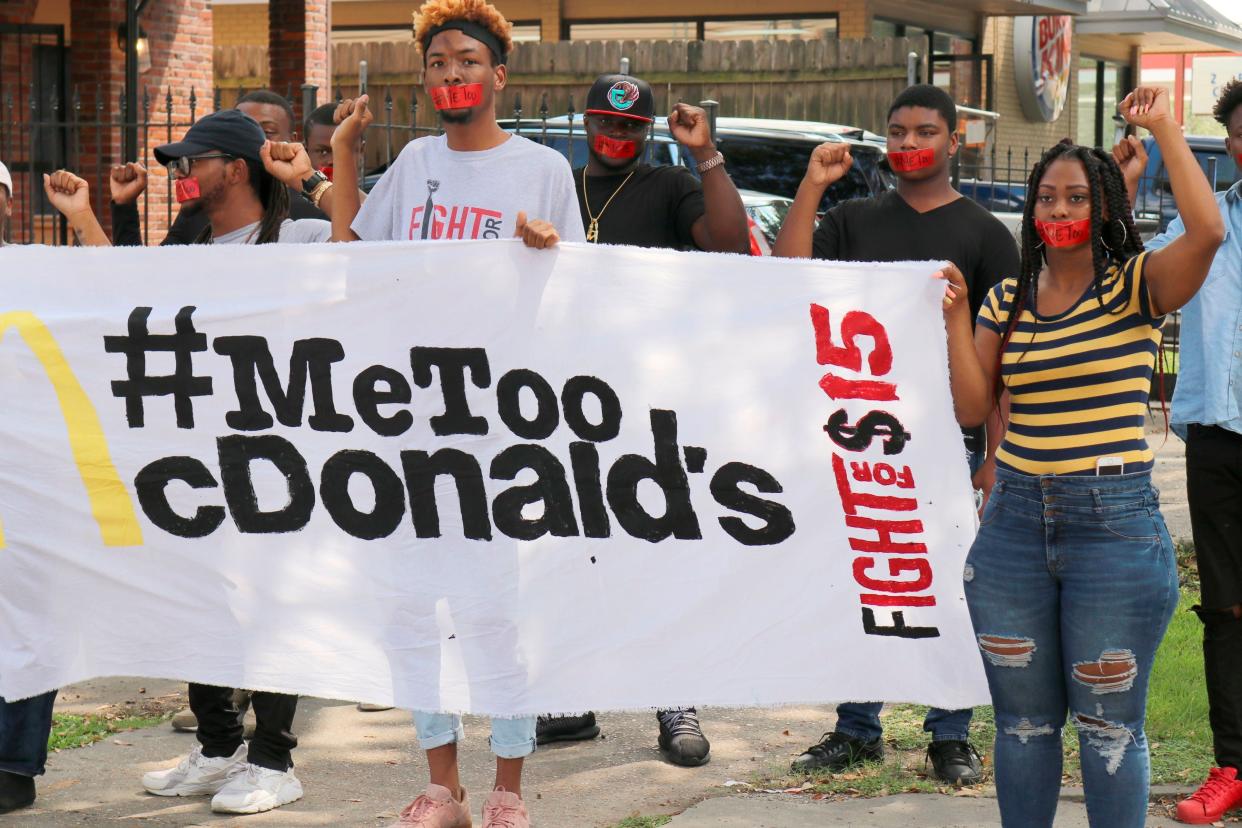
x: 302, y: 231
x: 470, y: 195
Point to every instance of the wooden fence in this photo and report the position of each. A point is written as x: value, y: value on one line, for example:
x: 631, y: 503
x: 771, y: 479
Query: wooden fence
x: 837, y: 81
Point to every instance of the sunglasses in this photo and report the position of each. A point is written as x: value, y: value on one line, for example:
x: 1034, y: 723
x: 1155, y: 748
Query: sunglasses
x: 184, y: 163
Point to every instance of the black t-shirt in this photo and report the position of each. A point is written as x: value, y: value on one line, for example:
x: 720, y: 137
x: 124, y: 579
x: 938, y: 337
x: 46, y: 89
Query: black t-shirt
x: 656, y: 208
x: 887, y: 229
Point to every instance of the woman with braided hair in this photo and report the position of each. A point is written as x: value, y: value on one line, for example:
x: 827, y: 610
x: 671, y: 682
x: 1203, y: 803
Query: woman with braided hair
x: 1071, y: 579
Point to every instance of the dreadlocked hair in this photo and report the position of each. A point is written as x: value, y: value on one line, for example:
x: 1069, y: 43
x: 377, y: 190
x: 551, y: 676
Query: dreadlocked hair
x: 1113, y: 242
x: 274, y: 197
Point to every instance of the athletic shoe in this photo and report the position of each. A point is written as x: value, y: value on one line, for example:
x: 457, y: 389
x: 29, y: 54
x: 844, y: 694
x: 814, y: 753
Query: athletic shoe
x: 503, y: 809
x: 258, y: 789
x: 565, y: 728
x: 1221, y: 791
x: 368, y: 707
x: 436, y: 808
x: 955, y: 762
x: 681, y: 738
x: 16, y: 791
x: 837, y: 752
x: 196, y: 775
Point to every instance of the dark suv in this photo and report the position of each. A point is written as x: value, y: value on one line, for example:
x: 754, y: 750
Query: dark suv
x: 1155, y: 197
x: 764, y: 156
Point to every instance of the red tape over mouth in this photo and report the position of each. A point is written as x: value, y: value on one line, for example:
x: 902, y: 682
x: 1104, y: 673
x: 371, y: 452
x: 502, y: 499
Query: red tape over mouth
x: 612, y: 148
x: 457, y: 97
x: 911, y: 160
x: 186, y: 189
x: 1064, y: 233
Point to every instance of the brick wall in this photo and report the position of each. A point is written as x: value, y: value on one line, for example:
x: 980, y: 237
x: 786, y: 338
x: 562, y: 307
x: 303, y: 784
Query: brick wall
x: 298, y: 47
x: 240, y: 25
x: 1014, y: 129
x: 17, y: 11
x: 179, y: 34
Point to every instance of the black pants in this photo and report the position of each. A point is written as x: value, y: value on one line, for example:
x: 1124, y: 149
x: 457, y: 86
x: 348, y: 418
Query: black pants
x: 220, y: 725
x: 1214, y: 488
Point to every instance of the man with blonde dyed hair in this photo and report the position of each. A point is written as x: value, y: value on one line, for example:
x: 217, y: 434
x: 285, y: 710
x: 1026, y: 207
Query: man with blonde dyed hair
x: 475, y: 181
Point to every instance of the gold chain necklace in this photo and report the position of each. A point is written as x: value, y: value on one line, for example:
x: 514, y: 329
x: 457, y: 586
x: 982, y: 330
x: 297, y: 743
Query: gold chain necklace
x: 593, y: 230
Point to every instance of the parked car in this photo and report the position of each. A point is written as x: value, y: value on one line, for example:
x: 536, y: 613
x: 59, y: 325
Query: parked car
x: 997, y: 196
x: 766, y: 156
x: 765, y: 214
x: 1155, y: 196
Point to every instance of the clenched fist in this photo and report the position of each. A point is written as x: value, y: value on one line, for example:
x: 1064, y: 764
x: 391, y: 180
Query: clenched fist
x: 127, y: 182
x: 829, y: 163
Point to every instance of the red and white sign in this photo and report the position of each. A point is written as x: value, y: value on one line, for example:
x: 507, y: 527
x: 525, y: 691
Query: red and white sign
x: 1042, y: 50
x: 462, y: 476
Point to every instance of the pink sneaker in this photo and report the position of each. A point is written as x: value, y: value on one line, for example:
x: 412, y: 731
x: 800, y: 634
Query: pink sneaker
x: 436, y: 808
x: 504, y: 810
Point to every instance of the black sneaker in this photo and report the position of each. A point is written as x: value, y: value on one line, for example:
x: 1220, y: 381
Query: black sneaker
x: 565, y: 728
x: 681, y: 738
x: 16, y: 791
x: 955, y: 763
x: 837, y: 752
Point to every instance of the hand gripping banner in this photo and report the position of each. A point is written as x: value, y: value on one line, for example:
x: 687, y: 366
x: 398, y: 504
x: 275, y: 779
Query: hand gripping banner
x: 473, y: 477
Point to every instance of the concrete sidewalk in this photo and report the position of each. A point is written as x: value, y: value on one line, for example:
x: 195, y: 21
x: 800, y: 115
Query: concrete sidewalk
x: 359, y: 769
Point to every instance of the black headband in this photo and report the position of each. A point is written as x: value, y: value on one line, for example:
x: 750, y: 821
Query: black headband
x: 467, y: 27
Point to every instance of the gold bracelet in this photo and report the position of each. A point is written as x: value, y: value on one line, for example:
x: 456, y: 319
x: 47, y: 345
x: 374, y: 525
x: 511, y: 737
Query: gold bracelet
x: 317, y: 193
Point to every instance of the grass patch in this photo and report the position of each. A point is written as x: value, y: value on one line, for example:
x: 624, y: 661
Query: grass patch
x: 73, y: 731
x: 1177, y: 707
x: 1177, y: 725
x: 644, y: 821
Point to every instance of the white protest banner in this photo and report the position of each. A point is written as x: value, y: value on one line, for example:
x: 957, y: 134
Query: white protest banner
x: 476, y: 477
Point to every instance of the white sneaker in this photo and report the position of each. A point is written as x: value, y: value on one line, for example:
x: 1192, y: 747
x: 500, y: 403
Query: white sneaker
x: 258, y: 789
x: 196, y: 775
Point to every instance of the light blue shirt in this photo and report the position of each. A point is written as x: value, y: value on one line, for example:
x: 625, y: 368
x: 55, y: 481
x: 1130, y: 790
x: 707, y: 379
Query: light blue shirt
x: 1209, y: 381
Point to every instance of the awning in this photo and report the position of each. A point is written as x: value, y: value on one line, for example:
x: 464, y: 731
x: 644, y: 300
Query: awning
x: 1160, y: 25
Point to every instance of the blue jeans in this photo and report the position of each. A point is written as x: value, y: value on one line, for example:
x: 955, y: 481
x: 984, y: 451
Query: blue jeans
x: 24, y: 729
x: 862, y: 719
x: 511, y: 738
x: 1070, y: 583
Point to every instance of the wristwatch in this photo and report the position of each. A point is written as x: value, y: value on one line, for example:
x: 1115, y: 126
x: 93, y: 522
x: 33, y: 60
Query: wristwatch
x: 315, y: 186
x: 711, y: 163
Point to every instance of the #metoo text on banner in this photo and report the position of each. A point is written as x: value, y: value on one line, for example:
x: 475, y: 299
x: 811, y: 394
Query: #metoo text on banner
x: 475, y: 477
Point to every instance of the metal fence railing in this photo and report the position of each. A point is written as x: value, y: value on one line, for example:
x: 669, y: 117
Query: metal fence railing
x: 41, y: 131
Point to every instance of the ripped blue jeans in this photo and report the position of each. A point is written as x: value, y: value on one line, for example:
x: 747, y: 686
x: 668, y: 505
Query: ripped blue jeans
x: 1071, y: 583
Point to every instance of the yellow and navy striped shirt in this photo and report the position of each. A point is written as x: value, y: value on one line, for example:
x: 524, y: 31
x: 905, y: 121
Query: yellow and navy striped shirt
x: 1078, y: 381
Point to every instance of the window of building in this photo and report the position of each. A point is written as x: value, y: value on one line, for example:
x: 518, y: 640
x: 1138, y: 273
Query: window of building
x: 1101, y: 84
x: 662, y: 30
x: 522, y: 33
x: 717, y: 28
x: 802, y: 28
x: 954, y: 64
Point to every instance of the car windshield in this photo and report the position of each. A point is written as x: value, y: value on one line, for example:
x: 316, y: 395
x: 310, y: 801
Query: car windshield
x: 1226, y: 169
x: 778, y: 166
x: 769, y: 216
x: 657, y: 153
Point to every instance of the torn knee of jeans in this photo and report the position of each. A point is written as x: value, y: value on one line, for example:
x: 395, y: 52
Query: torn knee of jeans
x: 1025, y: 730
x: 1106, y: 738
x: 1007, y: 650
x: 1113, y: 672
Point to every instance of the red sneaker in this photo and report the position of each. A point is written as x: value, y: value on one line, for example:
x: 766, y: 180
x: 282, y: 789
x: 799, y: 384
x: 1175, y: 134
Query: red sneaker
x: 1221, y: 791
